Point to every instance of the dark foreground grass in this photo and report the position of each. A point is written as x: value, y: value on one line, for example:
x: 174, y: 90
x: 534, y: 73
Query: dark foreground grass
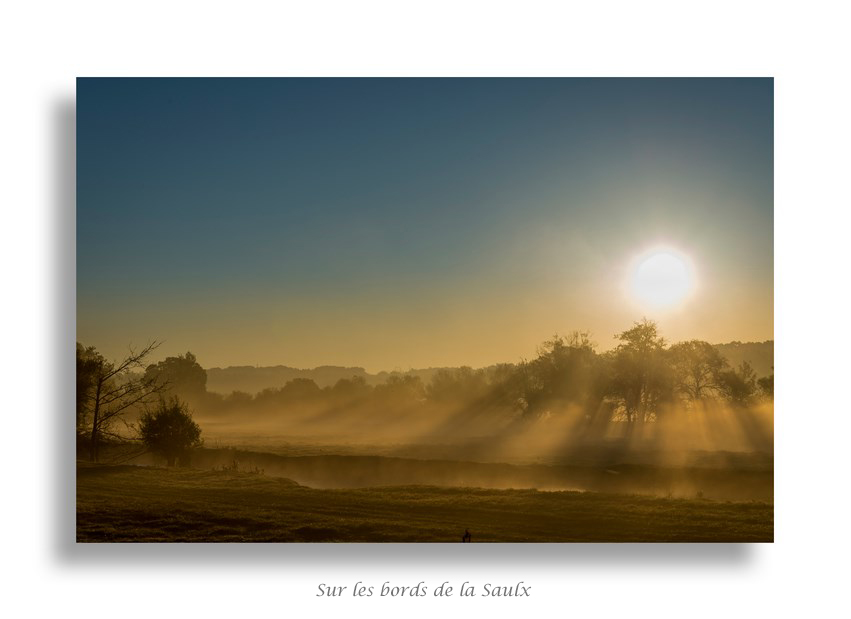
x: 142, y: 504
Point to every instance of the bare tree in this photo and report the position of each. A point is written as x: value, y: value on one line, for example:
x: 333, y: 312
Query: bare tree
x: 116, y: 389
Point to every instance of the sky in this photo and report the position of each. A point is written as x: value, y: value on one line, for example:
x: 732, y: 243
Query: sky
x: 409, y: 223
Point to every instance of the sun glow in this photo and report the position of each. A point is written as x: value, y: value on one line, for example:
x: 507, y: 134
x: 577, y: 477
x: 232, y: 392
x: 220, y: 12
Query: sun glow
x: 661, y: 278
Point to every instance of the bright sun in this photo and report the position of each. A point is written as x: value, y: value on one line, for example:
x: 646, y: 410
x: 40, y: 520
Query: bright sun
x: 661, y: 278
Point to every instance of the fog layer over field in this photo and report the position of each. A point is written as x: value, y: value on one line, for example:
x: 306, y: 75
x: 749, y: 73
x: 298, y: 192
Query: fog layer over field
x: 495, y: 434
x: 645, y: 404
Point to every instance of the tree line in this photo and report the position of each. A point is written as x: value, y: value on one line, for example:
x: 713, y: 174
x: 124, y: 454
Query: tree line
x: 638, y: 382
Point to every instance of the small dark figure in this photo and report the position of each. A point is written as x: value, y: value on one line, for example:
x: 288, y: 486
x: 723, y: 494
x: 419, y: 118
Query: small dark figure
x: 466, y: 538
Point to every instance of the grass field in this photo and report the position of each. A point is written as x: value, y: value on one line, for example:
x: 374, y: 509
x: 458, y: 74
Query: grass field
x: 147, y: 504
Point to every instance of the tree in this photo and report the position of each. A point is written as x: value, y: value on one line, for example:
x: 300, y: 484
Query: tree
x: 739, y: 385
x: 697, y: 368
x: 350, y: 389
x: 300, y: 390
x: 641, y: 380
x: 170, y: 431
x: 88, y: 362
x: 183, y: 374
x: 566, y: 372
x: 109, y: 390
x: 456, y: 385
x: 400, y: 390
x: 766, y: 386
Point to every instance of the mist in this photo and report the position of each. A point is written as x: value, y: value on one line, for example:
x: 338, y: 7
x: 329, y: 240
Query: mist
x: 569, y: 419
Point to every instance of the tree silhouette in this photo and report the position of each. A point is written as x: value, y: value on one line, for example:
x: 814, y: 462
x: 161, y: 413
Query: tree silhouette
x: 697, y: 369
x: 567, y: 371
x: 183, y: 374
x: 170, y: 431
x: 641, y: 378
x: 739, y: 385
x: 88, y: 364
x: 110, y: 390
x: 766, y: 385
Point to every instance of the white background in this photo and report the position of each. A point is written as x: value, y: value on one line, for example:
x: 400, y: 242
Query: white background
x: 43, y: 46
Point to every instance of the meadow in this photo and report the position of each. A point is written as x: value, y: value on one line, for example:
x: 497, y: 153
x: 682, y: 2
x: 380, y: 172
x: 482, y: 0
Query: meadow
x: 128, y: 503
x: 571, y: 446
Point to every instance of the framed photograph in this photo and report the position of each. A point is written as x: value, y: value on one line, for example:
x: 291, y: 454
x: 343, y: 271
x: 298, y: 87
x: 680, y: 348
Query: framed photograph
x: 475, y: 310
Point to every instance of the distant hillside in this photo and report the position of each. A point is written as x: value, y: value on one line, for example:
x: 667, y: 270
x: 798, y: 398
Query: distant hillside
x: 255, y: 379
x: 759, y: 354
x: 251, y: 379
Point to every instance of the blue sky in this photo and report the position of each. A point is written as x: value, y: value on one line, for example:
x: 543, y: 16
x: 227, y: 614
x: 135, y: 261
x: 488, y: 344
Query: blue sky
x: 407, y: 223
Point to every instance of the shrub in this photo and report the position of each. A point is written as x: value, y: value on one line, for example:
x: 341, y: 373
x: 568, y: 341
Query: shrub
x: 170, y: 431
